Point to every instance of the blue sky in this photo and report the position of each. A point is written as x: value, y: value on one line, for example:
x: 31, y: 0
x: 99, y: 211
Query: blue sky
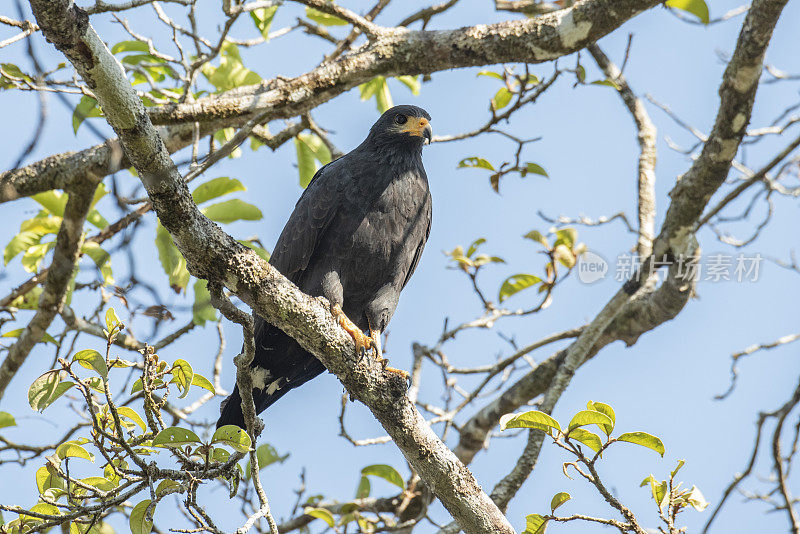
x: 665, y: 384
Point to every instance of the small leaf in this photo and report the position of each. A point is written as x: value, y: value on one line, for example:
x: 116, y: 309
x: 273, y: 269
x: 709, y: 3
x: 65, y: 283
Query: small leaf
x: 536, y: 235
x: 91, y: 359
x: 129, y: 46
x: 47, y: 477
x: 20, y: 243
x: 674, y: 472
x: 412, y: 82
x: 491, y: 74
x: 698, y: 8
x: 532, y: 419
x: 590, y: 439
x: 501, y: 98
x: 645, y: 440
x: 606, y: 410
x: 564, y: 256
x: 232, y: 210
x: 559, y: 499
x: 262, y: 18
x: 46, y: 338
x: 385, y: 472
x: 139, y: 523
x: 364, y: 488
x: 46, y: 389
x: 321, y: 513
x: 175, y: 436
x: 203, y: 382
x: 171, y: 259
x: 74, y: 449
x: 130, y: 413
x: 535, y: 168
x: 167, y: 486
x: 590, y: 417
x: 6, y: 420
x: 475, y: 162
x: 216, y: 188
x: 535, y: 524
x: 182, y: 375
x: 267, y: 455
x: 233, y: 436
x: 516, y: 283
x: 85, y: 109
x: 326, y: 20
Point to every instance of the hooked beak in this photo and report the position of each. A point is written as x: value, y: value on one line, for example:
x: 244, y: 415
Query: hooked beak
x: 420, y: 127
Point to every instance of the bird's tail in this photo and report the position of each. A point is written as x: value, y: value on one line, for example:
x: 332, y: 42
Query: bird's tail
x: 231, y: 408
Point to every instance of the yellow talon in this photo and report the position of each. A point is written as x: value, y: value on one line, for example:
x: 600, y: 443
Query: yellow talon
x: 362, y: 342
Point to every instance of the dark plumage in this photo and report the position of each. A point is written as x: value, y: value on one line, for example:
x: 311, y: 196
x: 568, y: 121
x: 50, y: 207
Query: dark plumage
x: 355, y: 237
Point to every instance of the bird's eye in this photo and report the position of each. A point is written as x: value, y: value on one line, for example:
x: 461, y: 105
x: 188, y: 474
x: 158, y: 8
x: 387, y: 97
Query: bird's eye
x: 400, y: 119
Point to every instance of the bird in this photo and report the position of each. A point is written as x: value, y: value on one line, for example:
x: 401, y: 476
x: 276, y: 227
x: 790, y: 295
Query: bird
x: 355, y: 237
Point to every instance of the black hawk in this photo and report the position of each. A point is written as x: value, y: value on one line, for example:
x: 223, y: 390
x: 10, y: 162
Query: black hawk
x: 355, y: 237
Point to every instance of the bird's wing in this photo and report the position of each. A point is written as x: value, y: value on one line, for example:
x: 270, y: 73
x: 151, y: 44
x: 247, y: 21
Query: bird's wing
x: 312, y: 214
x: 421, y: 245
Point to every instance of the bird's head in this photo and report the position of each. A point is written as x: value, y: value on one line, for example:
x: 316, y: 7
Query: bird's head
x: 403, y: 126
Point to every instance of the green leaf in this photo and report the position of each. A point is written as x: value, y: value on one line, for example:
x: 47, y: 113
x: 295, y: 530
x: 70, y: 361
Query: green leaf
x: 46, y: 389
x: 182, y: 375
x: 645, y: 440
x: 139, y: 523
x: 590, y: 439
x: 232, y: 210
x: 34, y: 256
x: 47, y: 477
x: 564, y: 256
x: 516, y: 283
x: 698, y: 8
x: 46, y: 338
x: 101, y: 258
x: 231, y: 72
x: 608, y: 82
x: 532, y: 419
x: 501, y: 98
x: 310, y: 149
x: 267, y: 455
x: 674, y: 472
x: 475, y: 162
x: 580, y: 73
x: 6, y: 420
x: 558, y: 499
x: 171, y: 259
x: 590, y: 417
x: 262, y: 18
x: 566, y: 236
x: 233, y: 436
x: 364, y: 488
x: 223, y: 136
x: 535, y: 524
x: 386, y: 472
x: 535, y: 168
x: 112, y: 321
x: 129, y: 46
x: 326, y: 20
x: 659, y: 490
x: 605, y: 409
x: 20, y: 243
x: 74, y: 449
x: 130, y: 413
x: 175, y: 436
x: 167, y: 486
x: 473, y: 247
x: 85, y: 109
x: 320, y: 513
x: 203, y: 382
x: 262, y: 253
x: 412, y: 82
x: 53, y: 202
x: 378, y: 88
x: 91, y: 359
x: 216, y: 188
x: 491, y: 74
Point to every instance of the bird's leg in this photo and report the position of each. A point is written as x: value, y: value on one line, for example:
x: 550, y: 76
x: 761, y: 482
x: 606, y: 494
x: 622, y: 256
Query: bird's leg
x: 375, y: 336
x: 363, y: 343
